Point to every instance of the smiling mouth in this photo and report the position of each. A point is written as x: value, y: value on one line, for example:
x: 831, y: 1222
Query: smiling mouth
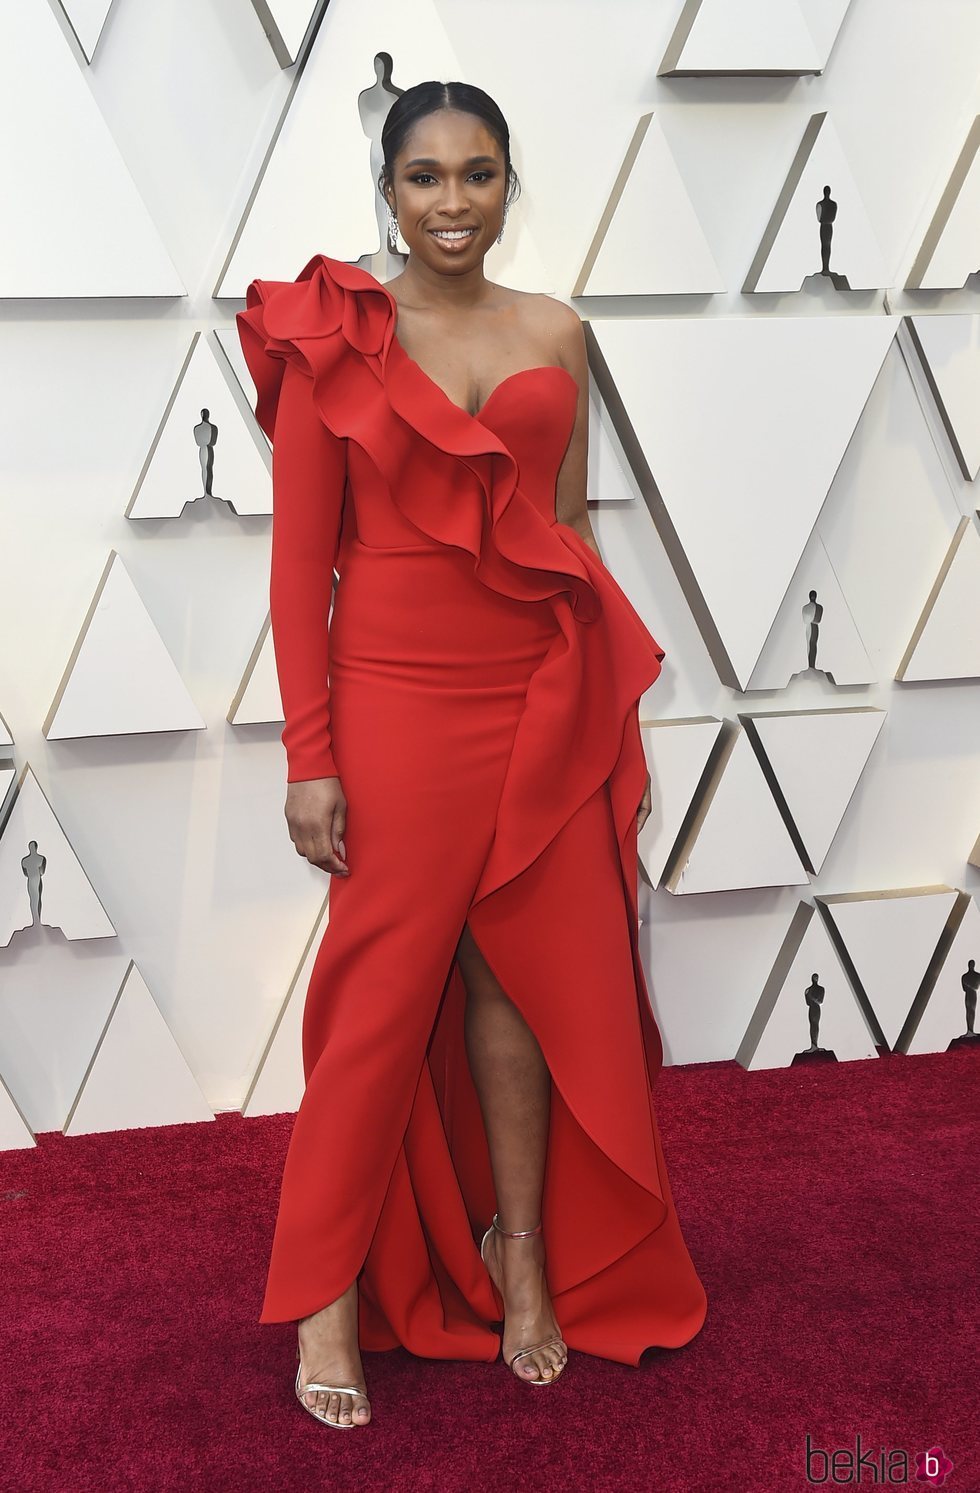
x: 452, y: 234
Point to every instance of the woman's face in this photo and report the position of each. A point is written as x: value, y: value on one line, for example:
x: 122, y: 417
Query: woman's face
x: 449, y: 179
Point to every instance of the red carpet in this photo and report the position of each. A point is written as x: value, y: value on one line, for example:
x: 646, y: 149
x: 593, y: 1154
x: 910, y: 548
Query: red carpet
x: 831, y: 1212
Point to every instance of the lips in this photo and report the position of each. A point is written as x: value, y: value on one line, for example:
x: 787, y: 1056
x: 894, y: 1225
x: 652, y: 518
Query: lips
x: 465, y: 230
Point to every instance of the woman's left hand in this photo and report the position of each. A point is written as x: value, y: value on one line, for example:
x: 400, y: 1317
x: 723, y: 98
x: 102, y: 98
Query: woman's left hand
x: 646, y: 803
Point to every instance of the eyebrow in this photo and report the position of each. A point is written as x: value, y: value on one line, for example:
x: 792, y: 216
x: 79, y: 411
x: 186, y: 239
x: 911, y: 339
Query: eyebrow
x: 431, y: 161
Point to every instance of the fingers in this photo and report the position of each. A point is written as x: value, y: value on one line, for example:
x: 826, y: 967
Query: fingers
x: 326, y: 851
x: 333, y: 856
x: 316, y: 847
x: 336, y: 855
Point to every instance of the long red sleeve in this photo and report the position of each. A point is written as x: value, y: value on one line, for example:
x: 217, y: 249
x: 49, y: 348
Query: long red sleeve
x: 309, y: 476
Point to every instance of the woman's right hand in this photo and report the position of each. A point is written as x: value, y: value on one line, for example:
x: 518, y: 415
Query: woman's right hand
x: 316, y: 812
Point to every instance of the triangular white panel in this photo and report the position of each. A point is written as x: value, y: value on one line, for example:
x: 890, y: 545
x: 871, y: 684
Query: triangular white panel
x: 278, y: 1085
x: 733, y: 464
x: 649, y: 241
x: 229, y: 342
x: 203, y: 449
x: 824, y: 19
x: 820, y: 626
x: 888, y: 938
x: 790, y: 250
x: 7, y: 771
x: 807, y: 982
x: 87, y: 18
x: 940, y: 1013
x: 15, y: 1133
x: 946, y: 640
x: 677, y: 753
x: 286, y: 23
x: 949, y: 350
x: 950, y: 251
x: 816, y: 758
x: 718, y: 37
x: 738, y: 838
x: 120, y: 677
x: 609, y: 476
x: 44, y: 883
x: 317, y: 190
x: 258, y: 700
x: 83, y: 229
x: 137, y: 1076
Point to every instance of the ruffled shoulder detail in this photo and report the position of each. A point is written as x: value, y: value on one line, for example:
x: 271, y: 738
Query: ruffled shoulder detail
x: 456, y: 480
x: 280, y: 316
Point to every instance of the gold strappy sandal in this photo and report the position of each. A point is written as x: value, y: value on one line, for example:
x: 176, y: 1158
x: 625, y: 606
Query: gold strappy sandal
x: 339, y: 1389
x: 546, y: 1342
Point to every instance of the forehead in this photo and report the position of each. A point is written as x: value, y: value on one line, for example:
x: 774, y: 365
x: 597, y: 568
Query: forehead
x: 450, y: 136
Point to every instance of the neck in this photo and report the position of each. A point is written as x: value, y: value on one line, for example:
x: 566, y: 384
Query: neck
x: 427, y: 286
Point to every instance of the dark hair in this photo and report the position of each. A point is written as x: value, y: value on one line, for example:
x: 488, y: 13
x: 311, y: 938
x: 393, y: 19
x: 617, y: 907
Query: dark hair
x: 428, y: 98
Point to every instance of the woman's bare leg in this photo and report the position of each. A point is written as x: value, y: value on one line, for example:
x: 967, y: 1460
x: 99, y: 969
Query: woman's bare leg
x: 514, y: 1088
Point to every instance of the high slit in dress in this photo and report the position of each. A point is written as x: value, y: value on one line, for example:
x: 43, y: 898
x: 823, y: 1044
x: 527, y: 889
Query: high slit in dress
x: 476, y: 692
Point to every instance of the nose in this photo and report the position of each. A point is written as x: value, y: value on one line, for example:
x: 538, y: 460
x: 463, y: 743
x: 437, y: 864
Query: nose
x: 454, y: 203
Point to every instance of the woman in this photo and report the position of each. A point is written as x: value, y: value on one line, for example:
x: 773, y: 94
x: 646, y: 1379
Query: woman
x: 478, y: 1043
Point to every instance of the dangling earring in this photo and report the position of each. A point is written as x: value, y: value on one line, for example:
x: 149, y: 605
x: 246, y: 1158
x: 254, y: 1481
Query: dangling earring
x: 392, y: 232
x: 503, y: 221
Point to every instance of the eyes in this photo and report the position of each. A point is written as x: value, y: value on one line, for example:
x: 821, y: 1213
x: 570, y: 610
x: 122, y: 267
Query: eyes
x: 487, y: 175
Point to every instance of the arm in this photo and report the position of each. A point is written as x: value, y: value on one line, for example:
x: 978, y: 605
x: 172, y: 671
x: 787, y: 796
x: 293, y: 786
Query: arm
x: 309, y: 475
x: 571, y: 507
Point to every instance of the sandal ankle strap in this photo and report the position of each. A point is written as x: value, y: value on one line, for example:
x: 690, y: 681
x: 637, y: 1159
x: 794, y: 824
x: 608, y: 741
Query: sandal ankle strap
x: 516, y: 1233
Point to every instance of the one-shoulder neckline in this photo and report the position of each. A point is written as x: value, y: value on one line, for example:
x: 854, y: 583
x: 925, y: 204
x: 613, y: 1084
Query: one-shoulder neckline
x: 508, y: 378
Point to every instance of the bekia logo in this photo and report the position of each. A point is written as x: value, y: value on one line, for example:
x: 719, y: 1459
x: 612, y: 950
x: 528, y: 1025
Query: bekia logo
x: 881, y: 1466
x: 932, y: 1467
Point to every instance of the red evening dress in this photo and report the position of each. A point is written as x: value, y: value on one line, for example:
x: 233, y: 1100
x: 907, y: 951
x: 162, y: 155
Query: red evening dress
x: 478, y: 700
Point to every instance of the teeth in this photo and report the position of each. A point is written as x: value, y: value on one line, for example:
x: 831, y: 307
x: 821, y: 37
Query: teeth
x: 453, y: 232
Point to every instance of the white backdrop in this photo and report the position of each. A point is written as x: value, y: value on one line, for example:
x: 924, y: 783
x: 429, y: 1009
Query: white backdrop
x: 182, y: 833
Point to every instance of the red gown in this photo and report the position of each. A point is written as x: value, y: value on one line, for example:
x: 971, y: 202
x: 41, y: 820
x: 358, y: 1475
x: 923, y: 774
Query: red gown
x: 481, y: 711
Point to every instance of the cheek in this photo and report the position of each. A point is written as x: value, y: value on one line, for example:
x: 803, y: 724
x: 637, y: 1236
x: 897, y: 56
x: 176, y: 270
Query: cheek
x: 413, y: 203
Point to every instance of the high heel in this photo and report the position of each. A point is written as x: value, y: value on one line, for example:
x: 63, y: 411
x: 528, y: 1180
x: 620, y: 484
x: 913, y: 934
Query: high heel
x: 341, y: 1389
x: 498, y: 1299
x: 546, y: 1342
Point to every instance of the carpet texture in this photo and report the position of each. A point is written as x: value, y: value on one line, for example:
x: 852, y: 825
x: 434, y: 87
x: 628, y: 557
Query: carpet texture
x: 831, y: 1212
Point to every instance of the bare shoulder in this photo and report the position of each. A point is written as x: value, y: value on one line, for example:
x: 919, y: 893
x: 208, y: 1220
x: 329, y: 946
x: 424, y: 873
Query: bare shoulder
x: 554, y: 326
